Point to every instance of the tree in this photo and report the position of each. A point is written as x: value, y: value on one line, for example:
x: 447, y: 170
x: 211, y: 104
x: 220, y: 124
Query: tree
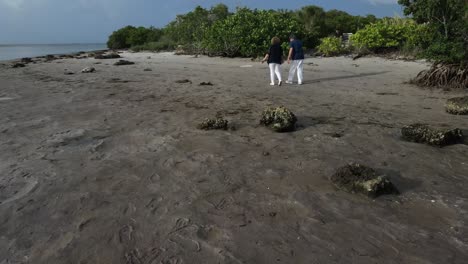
x: 219, y: 12
x: 446, y: 15
x: 120, y: 39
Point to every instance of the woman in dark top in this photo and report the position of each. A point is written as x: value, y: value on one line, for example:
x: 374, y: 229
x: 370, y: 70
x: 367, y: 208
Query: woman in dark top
x: 274, y: 57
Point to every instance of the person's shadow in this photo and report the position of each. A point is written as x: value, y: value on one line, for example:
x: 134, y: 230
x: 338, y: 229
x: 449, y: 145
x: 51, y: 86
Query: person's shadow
x: 345, y: 77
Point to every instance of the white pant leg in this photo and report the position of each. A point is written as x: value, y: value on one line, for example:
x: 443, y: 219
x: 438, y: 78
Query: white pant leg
x: 272, y: 72
x: 292, y: 70
x: 300, y: 70
x: 278, y: 71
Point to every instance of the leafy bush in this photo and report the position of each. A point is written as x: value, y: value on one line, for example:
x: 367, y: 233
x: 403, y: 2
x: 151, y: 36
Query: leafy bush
x: 450, y: 52
x: 331, y: 46
x: 385, y: 34
x: 248, y: 32
x: 131, y: 36
x: 162, y: 45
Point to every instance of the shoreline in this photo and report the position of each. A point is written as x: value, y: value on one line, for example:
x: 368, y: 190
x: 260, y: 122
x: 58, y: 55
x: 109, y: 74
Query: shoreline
x: 59, y: 54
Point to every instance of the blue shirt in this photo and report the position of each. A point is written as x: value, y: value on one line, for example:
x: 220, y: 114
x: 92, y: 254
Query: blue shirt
x: 298, y: 53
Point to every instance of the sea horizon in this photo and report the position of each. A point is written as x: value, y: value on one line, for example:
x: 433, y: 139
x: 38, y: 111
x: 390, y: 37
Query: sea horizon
x: 17, y: 51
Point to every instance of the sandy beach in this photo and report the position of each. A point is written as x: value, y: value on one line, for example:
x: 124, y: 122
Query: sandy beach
x: 109, y: 167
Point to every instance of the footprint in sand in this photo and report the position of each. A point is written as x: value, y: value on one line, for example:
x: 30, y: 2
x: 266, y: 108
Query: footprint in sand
x: 18, y: 191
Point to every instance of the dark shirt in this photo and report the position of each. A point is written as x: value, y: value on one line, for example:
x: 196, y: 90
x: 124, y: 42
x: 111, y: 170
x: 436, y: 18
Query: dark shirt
x: 298, y: 53
x: 275, y: 54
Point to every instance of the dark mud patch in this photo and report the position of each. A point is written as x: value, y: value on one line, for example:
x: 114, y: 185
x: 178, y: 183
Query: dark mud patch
x: 387, y: 93
x: 118, y: 80
x: 183, y: 81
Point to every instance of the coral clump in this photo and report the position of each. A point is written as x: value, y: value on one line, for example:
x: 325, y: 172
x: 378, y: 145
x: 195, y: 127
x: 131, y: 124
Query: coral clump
x: 357, y: 178
x: 214, y: 123
x: 279, y: 119
x: 457, y: 106
x: 421, y: 133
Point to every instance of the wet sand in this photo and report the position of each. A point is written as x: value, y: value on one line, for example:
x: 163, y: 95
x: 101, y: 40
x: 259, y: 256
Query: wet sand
x: 108, y: 167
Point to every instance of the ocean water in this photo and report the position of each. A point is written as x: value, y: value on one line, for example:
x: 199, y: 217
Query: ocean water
x: 10, y: 52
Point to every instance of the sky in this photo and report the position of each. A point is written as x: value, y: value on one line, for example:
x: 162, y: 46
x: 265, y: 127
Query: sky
x: 92, y: 21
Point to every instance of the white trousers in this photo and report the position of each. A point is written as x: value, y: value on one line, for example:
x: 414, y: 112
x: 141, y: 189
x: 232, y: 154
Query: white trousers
x: 275, y: 68
x: 296, y: 65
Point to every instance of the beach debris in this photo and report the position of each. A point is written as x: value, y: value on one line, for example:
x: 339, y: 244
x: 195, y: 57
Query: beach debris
x: 421, y: 133
x: 26, y: 60
x: 280, y: 119
x: 18, y: 65
x: 357, y: 178
x: 206, y: 84
x: 183, y: 81
x: 88, y: 70
x: 50, y: 57
x: 180, y: 50
x: 123, y: 62
x: 107, y: 56
x: 147, y: 69
x: 67, y: 72
x: 457, y: 106
x: 213, y: 123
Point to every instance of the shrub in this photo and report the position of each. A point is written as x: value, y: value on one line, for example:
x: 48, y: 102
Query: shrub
x: 130, y: 36
x: 162, y: 45
x: 247, y: 33
x: 331, y: 46
x: 386, y: 34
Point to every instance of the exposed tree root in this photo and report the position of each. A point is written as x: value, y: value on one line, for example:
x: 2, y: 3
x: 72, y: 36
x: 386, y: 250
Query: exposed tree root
x: 444, y: 76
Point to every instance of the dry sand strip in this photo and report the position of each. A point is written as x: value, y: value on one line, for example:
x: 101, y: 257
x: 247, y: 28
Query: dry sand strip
x: 109, y: 167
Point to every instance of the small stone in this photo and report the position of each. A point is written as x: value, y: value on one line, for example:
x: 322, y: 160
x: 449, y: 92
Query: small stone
x: 123, y: 62
x: 88, y: 70
x: 206, y: 84
x: 147, y: 69
x: 107, y: 56
x: 183, y: 81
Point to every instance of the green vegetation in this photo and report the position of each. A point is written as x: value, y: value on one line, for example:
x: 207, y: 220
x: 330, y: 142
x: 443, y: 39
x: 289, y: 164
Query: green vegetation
x: 448, y: 23
x: 245, y: 32
x: 132, y: 36
x: 248, y: 32
x: 388, y: 33
x: 331, y: 46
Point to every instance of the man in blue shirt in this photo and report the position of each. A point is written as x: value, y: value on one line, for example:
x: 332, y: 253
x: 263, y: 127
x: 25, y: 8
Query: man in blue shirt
x: 296, y: 54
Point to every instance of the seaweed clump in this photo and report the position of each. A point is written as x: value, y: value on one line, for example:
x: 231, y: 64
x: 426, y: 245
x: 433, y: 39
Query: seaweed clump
x: 214, y: 123
x: 457, y: 106
x: 421, y: 133
x: 123, y: 62
x: 107, y: 56
x: 279, y: 119
x: 357, y: 178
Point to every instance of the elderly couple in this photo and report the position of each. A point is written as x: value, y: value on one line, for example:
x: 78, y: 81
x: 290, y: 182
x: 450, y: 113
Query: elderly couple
x: 274, y: 57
